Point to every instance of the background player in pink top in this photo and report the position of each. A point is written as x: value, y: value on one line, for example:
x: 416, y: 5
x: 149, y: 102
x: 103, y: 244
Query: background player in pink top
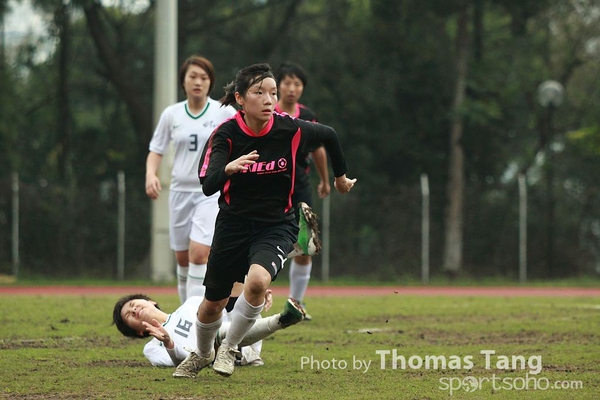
x: 291, y: 82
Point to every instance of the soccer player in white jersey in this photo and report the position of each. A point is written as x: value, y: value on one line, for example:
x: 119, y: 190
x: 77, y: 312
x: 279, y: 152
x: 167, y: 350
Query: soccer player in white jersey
x: 188, y: 124
x: 174, y: 335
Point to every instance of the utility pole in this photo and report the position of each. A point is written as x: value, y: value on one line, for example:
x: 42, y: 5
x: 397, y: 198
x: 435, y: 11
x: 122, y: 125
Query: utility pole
x: 165, y: 93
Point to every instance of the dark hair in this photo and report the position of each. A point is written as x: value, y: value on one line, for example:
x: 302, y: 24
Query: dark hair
x: 203, y: 63
x: 245, y: 78
x: 118, y: 320
x: 290, y: 69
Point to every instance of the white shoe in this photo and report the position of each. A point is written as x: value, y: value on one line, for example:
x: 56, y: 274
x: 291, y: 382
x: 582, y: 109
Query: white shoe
x: 225, y: 359
x: 192, y: 364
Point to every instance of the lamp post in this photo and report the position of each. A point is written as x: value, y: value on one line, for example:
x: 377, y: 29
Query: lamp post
x: 162, y: 262
x: 550, y: 96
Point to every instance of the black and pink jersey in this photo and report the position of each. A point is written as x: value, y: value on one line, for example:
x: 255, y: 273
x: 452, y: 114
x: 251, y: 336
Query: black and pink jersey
x: 263, y: 192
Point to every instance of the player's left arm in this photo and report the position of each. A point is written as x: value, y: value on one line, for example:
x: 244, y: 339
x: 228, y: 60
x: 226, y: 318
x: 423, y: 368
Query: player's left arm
x: 319, y: 157
x: 329, y: 138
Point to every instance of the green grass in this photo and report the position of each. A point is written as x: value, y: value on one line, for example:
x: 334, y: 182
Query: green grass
x: 64, y: 347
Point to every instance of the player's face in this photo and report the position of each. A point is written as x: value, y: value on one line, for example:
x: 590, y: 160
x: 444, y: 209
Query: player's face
x: 134, y: 312
x: 260, y: 100
x: 196, y: 83
x: 290, y: 89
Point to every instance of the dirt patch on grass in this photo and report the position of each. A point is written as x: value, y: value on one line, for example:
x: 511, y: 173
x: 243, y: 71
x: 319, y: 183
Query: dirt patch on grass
x: 63, y: 343
x: 523, y: 337
x: 119, y: 363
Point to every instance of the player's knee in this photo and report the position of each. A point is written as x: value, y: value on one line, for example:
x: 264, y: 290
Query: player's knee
x: 211, y: 309
x: 198, y: 253
x: 258, y: 281
x: 256, y: 288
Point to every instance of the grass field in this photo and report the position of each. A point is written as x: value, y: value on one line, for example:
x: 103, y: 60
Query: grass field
x: 64, y: 347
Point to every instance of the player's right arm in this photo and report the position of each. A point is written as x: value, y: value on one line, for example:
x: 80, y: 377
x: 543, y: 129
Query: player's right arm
x: 161, y: 356
x: 156, y: 353
x: 319, y: 157
x: 211, y: 170
x: 158, y: 146
x: 215, y: 167
x: 153, y: 186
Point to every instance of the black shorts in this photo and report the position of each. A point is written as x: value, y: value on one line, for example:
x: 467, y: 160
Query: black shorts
x: 239, y: 243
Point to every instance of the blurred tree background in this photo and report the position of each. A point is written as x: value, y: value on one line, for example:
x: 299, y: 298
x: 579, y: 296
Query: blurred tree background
x: 446, y: 88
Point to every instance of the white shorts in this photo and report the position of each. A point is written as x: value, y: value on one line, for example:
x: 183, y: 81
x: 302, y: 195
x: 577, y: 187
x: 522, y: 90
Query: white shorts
x: 192, y: 217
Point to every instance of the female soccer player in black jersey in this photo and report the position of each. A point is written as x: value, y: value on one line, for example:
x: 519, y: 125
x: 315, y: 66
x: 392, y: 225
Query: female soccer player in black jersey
x: 251, y: 160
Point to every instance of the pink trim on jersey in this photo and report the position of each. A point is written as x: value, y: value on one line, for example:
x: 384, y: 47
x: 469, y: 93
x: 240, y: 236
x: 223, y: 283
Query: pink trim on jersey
x: 226, y: 194
x: 295, y: 146
x: 296, y: 110
x: 240, y: 120
x: 202, y: 173
x: 230, y: 146
x: 206, y: 160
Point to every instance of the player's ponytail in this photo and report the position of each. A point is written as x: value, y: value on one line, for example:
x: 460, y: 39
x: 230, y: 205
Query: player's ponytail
x: 229, y: 97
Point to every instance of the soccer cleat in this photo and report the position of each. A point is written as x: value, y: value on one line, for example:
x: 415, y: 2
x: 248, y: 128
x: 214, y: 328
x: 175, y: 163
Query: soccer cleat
x: 292, y: 313
x: 192, y: 364
x: 308, y: 242
x: 225, y: 361
x: 307, y: 316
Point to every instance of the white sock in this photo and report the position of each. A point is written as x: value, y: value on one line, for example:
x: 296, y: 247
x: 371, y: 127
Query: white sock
x: 261, y: 329
x: 243, y: 317
x: 205, y: 335
x: 182, y: 276
x: 195, y: 280
x: 299, y: 278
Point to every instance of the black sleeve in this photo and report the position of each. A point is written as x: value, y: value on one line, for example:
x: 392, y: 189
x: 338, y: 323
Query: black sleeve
x: 315, y: 132
x: 211, y: 169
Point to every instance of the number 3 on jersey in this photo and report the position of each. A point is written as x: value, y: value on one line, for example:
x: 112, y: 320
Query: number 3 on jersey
x: 194, y: 142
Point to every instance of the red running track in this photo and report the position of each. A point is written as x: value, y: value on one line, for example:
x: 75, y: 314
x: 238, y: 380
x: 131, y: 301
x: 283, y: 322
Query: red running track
x: 498, y: 291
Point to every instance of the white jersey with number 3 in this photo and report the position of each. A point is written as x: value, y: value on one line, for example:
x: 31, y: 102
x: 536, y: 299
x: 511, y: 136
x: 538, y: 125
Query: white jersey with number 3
x: 189, y: 133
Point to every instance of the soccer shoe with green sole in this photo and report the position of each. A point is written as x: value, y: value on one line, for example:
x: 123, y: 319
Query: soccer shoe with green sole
x: 225, y: 360
x: 292, y: 313
x: 193, y: 364
x: 308, y: 243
